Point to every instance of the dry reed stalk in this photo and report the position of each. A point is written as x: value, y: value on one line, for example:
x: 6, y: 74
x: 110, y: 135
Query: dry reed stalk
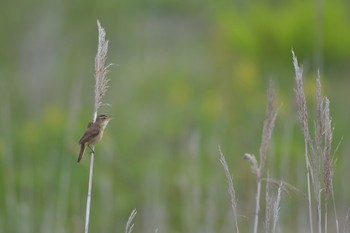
x: 231, y: 189
x: 317, y: 152
x: 319, y: 126
x: 328, y: 134
x: 276, y: 207
x: 328, y: 164
x: 303, y: 118
x: 317, y: 165
x: 269, y: 123
x: 101, y: 86
x: 268, y: 209
x: 335, y: 211
x: 129, y: 224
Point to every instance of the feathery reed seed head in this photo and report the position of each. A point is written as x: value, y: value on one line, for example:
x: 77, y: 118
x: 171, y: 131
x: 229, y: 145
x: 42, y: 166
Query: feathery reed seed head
x: 101, y: 70
x: 269, y: 123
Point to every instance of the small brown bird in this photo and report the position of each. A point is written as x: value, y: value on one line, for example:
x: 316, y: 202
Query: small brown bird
x: 93, y: 134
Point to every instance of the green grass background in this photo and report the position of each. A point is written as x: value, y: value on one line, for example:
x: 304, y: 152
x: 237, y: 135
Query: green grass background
x: 189, y: 75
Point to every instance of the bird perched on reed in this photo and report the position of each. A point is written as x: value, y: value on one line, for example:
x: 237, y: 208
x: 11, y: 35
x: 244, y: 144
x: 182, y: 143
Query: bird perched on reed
x: 93, y: 134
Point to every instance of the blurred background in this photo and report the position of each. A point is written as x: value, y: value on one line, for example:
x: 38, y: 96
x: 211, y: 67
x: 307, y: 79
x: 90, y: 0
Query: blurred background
x: 188, y: 76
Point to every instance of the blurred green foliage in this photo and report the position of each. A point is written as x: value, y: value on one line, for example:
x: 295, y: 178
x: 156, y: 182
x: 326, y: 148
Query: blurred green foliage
x: 188, y: 76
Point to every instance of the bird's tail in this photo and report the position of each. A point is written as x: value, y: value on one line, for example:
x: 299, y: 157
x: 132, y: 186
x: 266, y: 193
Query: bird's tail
x: 81, y: 153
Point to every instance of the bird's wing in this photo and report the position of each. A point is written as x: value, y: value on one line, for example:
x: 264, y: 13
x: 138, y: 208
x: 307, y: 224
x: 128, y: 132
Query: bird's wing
x: 90, y: 133
x: 90, y: 123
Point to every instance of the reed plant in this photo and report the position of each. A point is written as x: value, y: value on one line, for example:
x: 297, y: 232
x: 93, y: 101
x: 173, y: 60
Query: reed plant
x: 319, y: 161
x: 318, y: 156
x: 258, y: 168
x: 101, y: 85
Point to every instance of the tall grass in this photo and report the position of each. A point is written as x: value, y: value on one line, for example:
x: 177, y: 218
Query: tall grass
x: 258, y: 168
x: 318, y: 160
x: 317, y: 153
x: 231, y: 189
x: 101, y: 86
x: 319, y: 163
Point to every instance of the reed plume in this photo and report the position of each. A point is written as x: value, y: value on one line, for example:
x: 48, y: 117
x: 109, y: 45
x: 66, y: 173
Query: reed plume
x: 257, y: 168
x: 319, y: 164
